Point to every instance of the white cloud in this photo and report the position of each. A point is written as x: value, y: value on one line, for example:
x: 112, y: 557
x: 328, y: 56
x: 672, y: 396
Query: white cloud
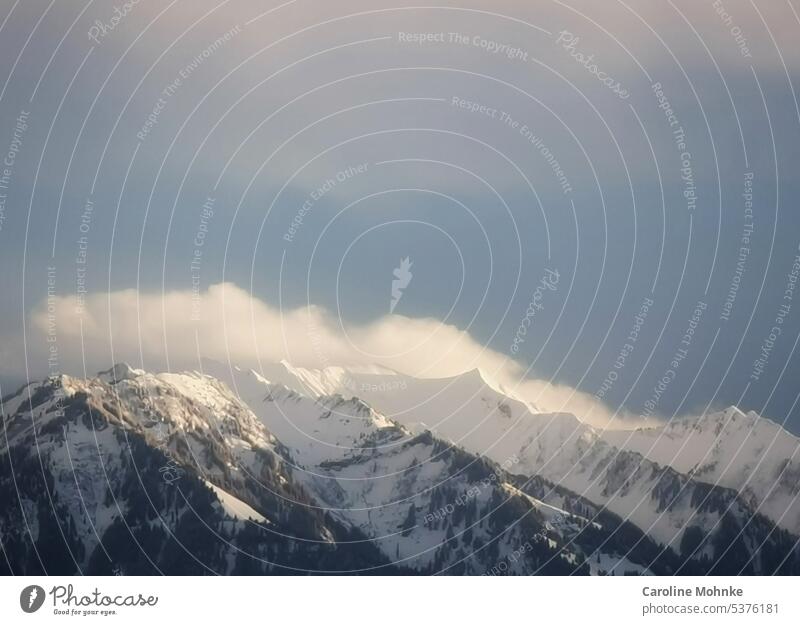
x: 171, y: 330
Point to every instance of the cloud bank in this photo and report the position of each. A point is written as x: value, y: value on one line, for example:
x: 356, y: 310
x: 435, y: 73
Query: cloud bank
x: 172, y: 330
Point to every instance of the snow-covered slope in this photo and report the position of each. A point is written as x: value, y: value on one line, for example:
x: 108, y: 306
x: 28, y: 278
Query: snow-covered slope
x: 468, y: 409
x: 348, y: 470
x: 156, y: 473
x: 177, y: 463
x: 427, y: 504
x: 670, y: 505
x: 745, y: 452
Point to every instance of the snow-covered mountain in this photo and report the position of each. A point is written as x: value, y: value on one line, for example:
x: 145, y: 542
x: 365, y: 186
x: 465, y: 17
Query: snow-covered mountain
x: 742, y: 451
x: 672, y: 504
x: 173, y: 473
x: 346, y: 470
x: 146, y: 473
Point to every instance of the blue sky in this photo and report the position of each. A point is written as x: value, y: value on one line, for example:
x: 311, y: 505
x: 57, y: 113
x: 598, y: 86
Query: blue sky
x: 261, y: 119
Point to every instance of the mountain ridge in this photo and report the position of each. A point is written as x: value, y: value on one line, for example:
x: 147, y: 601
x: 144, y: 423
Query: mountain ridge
x: 368, y: 492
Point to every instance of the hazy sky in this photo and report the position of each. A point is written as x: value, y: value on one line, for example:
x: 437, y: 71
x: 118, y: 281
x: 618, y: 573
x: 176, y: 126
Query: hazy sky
x: 299, y: 151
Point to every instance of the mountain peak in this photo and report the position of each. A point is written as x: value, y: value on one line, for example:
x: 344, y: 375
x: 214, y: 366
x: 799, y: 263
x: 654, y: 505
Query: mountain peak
x: 120, y: 371
x: 733, y: 411
x: 735, y: 415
